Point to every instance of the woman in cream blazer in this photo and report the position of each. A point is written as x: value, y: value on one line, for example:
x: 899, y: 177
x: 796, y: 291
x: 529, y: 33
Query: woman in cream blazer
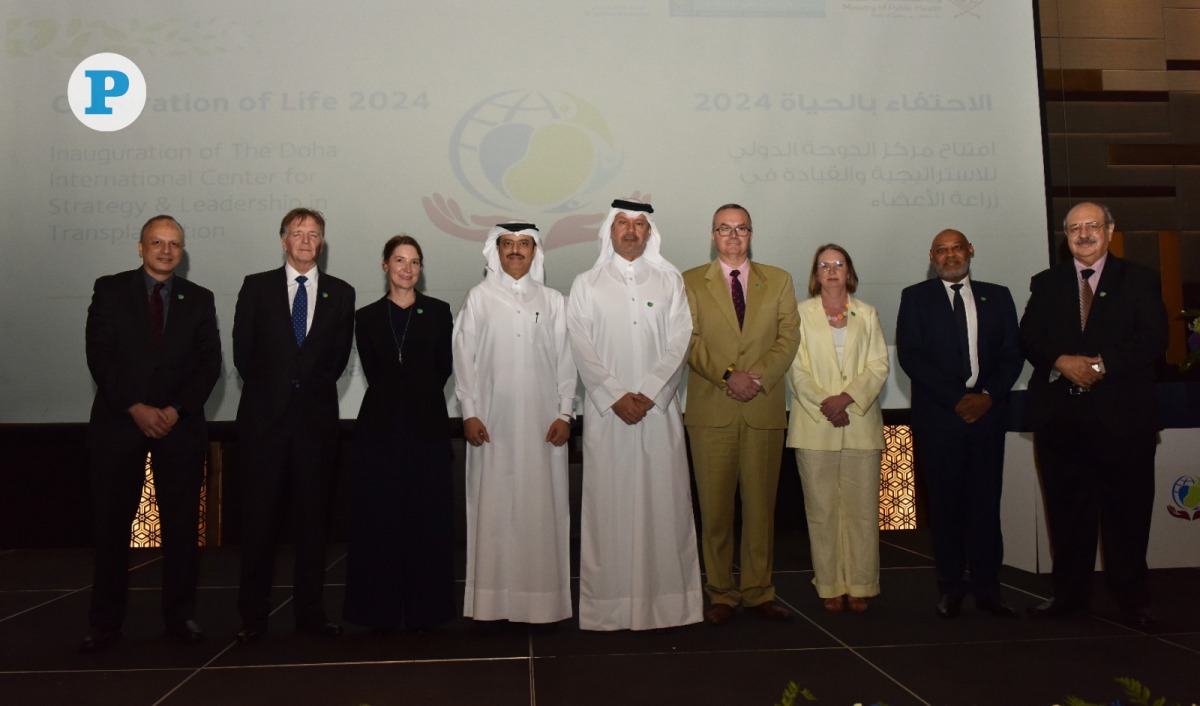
x: 836, y: 428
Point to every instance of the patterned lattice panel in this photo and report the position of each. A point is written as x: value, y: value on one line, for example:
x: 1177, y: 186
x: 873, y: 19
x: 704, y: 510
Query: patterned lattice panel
x: 146, y: 531
x: 897, y: 492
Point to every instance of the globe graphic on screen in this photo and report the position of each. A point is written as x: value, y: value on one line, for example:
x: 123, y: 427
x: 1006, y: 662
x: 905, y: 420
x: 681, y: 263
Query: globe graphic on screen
x: 1186, y: 492
x: 526, y: 150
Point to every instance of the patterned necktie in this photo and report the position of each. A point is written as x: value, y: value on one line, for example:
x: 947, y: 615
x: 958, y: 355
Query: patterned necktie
x: 960, y: 326
x: 300, y: 310
x: 1085, y: 297
x: 739, y: 297
x: 156, y: 313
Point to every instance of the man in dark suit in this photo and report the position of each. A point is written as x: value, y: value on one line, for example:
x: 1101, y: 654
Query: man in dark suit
x: 956, y: 339
x: 154, y: 352
x: 292, y: 331
x: 745, y: 332
x: 1094, y: 329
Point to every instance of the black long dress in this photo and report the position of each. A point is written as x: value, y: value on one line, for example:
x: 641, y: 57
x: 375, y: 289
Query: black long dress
x: 400, y: 558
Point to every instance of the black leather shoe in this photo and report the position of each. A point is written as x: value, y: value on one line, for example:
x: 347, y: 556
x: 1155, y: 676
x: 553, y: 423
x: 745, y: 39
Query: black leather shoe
x: 248, y: 635
x: 318, y: 629
x: 948, y: 606
x: 1056, y: 608
x: 1138, y: 618
x: 99, y: 637
x: 187, y: 631
x: 997, y: 607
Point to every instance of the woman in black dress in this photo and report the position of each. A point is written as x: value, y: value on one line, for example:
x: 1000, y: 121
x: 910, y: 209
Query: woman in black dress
x: 400, y: 558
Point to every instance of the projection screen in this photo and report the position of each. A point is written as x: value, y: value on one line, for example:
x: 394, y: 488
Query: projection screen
x: 869, y: 124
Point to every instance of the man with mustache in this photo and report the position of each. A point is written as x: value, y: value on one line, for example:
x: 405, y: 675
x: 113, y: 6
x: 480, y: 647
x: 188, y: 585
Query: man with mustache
x: 956, y: 339
x: 1094, y: 329
x: 629, y: 327
x: 154, y: 352
x: 515, y: 380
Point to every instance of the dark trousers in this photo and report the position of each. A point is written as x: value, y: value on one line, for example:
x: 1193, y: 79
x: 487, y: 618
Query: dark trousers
x: 117, y: 480
x: 1097, y: 482
x: 291, y: 471
x: 963, y: 470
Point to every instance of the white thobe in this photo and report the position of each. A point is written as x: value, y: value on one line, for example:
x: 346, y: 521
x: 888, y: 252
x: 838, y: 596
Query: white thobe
x: 630, y: 327
x: 513, y: 370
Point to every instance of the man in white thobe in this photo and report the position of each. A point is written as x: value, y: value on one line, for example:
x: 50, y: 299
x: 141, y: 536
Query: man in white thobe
x: 515, y: 380
x: 630, y: 326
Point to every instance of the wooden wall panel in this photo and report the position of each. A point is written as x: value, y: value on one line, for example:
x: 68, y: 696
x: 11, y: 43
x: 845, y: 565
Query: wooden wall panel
x: 1048, y: 17
x: 1142, y: 100
x: 1151, y: 80
x: 1051, y: 53
x: 1187, y: 213
x: 1085, y: 157
x: 1183, y: 34
x: 1087, y: 53
x: 1110, y: 18
x: 1185, y: 117
x: 1111, y: 118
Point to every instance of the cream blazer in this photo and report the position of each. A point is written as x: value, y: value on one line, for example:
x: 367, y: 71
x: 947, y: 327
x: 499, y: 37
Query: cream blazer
x: 815, y: 376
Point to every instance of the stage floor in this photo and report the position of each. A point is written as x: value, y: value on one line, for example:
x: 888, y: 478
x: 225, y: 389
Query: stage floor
x: 898, y: 653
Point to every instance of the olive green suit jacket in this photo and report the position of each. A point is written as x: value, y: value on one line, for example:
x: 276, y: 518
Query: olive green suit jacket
x: 766, y: 344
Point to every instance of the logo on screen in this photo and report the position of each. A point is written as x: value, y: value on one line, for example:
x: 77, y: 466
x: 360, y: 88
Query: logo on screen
x: 107, y: 92
x: 533, y: 154
x: 523, y: 149
x: 1185, y: 498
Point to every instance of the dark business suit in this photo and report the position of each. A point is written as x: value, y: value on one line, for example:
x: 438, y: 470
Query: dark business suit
x: 287, y: 424
x: 129, y: 368
x: 962, y: 463
x: 1095, y: 450
x: 400, y: 557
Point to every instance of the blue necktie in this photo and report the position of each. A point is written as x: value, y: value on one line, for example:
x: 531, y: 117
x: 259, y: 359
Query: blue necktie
x: 300, y: 310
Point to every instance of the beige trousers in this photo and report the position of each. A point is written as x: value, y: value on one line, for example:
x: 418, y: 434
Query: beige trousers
x: 841, y: 499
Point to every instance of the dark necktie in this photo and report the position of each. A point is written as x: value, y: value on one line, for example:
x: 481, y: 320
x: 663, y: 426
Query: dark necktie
x: 156, y: 313
x: 300, y: 310
x: 960, y: 326
x: 739, y: 297
x: 1085, y: 297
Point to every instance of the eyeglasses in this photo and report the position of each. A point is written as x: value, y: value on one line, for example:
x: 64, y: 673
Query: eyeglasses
x: 726, y: 231
x: 826, y: 266
x: 1091, y: 228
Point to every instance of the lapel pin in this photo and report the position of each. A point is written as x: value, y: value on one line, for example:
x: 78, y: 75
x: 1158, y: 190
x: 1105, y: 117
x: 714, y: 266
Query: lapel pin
x: 179, y: 297
x: 324, y: 295
x: 649, y: 303
x: 1104, y: 294
x: 420, y: 311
